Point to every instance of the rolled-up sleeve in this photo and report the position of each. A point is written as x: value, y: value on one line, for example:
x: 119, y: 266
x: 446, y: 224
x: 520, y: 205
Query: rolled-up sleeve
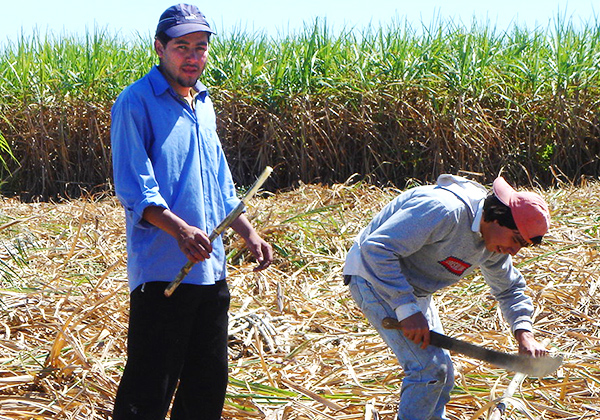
x: 135, y: 182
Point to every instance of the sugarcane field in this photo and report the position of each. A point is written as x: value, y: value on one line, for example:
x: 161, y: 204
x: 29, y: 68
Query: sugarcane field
x: 298, y: 346
x: 347, y: 121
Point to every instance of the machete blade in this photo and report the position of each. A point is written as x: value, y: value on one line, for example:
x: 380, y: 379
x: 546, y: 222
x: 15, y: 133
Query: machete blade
x: 532, y: 366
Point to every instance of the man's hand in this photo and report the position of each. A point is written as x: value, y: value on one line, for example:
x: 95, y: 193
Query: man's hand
x: 194, y: 244
x: 529, y: 345
x: 192, y: 241
x: 416, y: 329
x: 261, y: 250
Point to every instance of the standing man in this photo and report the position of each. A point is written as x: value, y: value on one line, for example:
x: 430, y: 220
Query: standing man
x: 429, y: 238
x: 173, y: 180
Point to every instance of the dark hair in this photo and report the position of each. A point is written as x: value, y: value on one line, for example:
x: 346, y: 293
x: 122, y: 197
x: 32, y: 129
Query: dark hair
x: 496, y: 210
x: 163, y: 38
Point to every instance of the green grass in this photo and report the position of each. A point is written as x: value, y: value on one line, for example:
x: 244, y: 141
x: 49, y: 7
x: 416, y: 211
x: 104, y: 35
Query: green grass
x: 49, y: 69
x: 446, y: 58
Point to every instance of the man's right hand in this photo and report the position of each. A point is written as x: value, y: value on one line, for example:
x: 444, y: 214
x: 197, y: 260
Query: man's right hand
x: 192, y: 241
x: 194, y: 244
x: 416, y: 329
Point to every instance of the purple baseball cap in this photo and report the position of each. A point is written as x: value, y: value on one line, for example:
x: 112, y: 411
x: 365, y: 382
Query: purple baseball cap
x: 182, y: 19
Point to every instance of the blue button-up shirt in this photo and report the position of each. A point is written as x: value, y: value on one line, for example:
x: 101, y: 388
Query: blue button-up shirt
x: 167, y: 154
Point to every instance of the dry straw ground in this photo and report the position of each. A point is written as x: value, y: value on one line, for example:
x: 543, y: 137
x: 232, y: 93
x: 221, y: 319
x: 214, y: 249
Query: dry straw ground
x: 299, y: 347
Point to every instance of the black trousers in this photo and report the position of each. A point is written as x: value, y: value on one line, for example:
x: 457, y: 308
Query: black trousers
x: 176, y: 345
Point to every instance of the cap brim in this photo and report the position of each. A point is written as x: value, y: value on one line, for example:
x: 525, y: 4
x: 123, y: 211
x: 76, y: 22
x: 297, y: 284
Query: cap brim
x: 187, y: 28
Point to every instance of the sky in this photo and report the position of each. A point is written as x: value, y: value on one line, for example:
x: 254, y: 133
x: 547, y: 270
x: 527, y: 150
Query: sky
x: 276, y: 17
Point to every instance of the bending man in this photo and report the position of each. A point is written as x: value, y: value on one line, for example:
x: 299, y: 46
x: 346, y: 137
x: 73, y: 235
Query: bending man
x: 426, y: 239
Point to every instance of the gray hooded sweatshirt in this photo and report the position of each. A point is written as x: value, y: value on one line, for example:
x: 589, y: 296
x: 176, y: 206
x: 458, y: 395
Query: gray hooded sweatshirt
x: 428, y: 238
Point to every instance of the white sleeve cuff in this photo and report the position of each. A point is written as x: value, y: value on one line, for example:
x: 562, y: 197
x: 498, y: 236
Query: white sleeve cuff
x: 404, y: 311
x: 522, y: 325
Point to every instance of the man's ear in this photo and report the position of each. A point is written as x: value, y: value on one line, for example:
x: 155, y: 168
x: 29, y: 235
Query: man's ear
x: 159, y: 48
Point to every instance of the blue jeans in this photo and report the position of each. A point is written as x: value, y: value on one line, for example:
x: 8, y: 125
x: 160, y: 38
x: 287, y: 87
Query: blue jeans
x: 429, y: 375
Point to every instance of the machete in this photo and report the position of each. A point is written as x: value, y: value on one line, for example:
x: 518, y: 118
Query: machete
x: 532, y: 366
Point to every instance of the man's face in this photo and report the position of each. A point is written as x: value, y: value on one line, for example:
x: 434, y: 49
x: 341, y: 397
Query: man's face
x: 183, y: 59
x: 501, y: 239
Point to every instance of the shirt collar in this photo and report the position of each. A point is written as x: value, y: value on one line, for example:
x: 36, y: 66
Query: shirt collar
x: 476, y: 226
x: 160, y: 84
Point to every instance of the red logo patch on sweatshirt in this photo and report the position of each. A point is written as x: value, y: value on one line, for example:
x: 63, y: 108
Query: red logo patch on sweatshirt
x: 455, y: 266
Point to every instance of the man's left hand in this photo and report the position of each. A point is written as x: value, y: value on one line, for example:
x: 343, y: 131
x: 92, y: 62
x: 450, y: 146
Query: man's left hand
x: 261, y: 250
x: 529, y: 345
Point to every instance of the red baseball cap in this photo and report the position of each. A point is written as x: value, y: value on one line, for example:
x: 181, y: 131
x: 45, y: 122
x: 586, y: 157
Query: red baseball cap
x: 529, y: 209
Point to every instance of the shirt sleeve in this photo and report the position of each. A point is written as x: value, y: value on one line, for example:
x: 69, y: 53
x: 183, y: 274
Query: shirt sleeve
x: 406, y: 231
x: 133, y: 173
x: 228, y: 190
x: 508, y: 286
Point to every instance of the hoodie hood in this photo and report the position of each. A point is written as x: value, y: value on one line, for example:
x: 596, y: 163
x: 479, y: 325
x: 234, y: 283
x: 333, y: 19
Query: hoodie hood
x: 469, y: 192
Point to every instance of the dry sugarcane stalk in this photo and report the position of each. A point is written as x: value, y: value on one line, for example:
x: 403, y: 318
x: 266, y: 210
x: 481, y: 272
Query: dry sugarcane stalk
x: 371, y: 412
x: 514, y: 384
